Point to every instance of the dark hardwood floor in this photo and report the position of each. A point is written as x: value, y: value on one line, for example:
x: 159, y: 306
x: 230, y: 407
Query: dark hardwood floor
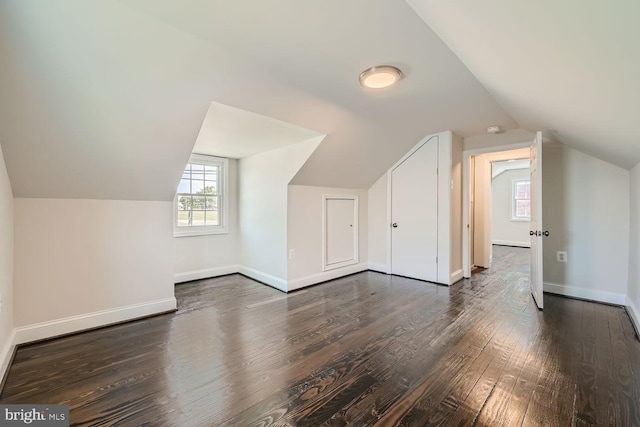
x: 368, y: 349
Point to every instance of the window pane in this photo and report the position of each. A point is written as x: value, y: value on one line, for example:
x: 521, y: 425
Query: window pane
x: 183, y: 218
x: 197, y: 218
x: 197, y: 187
x: 199, y: 198
x: 522, y: 190
x: 210, y: 187
x: 212, y: 173
x: 198, y: 202
x: 212, y: 218
x: 523, y: 208
x: 212, y: 203
x: 184, y: 203
x: 185, y: 186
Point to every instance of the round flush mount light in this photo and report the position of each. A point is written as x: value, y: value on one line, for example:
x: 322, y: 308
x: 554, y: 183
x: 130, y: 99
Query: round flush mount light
x: 380, y: 76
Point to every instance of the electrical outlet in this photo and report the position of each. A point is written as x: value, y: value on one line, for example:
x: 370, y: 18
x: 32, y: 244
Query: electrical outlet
x: 292, y: 253
x: 561, y: 256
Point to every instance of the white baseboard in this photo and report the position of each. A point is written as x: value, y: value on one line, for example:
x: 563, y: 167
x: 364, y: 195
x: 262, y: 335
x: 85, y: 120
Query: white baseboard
x: 327, y: 275
x: 456, y: 276
x: 590, y: 294
x: 205, y: 273
x: 7, y: 354
x: 260, y: 276
x: 512, y: 243
x: 380, y: 268
x: 634, y: 313
x: 67, y: 325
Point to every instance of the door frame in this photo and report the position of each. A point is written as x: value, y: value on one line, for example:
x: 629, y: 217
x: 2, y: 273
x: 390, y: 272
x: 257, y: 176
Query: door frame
x: 466, y: 195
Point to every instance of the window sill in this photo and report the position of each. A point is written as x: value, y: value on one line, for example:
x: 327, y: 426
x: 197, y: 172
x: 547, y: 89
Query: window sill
x: 200, y: 232
x: 520, y: 219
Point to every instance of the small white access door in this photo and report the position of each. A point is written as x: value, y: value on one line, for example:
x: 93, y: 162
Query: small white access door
x: 340, y: 231
x: 414, y: 214
x: 536, y: 233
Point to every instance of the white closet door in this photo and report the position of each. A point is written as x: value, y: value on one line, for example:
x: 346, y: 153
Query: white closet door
x: 341, y: 237
x: 414, y: 213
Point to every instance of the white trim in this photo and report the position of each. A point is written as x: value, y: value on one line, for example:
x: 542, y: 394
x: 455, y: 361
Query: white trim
x: 512, y: 243
x: 260, y: 276
x: 67, y: 325
x: 327, y: 275
x: 325, y: 265
x: 456, y: 276
x: 7, y: 354
x: 589, y: 294
x: 634, y: 313
x: 205, y: 273
x: 380, y: 268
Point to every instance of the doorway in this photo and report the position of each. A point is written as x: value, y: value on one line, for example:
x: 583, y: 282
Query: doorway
x: 478, y: 203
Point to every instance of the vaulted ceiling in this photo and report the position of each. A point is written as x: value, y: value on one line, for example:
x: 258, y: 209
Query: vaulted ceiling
x: 105, y: 99
x: 568, y: 67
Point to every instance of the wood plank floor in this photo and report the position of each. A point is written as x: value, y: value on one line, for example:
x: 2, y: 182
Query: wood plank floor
x: 368, y: 349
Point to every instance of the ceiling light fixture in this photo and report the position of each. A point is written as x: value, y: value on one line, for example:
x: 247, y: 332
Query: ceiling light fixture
x: 380, y: 76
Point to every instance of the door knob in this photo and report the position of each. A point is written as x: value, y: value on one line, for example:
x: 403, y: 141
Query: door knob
x: 531, y: 232
x: 546, y: 233
x: 394, y: 225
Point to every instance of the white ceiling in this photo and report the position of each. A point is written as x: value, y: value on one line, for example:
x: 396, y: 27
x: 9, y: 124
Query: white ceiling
x: 569, y: 67
x: 500, y: 167
x: 235, y: 133
x: 105, y: 99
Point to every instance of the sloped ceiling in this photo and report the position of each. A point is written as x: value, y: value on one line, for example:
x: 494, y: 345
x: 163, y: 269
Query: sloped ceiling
x: 569, y: 67
x: 104, y: 99
x: 234, y: 133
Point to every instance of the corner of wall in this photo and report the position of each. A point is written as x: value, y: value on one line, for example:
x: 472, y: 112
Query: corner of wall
x: 633, y: 285
x: 7, y: 331
x: 634, y: 314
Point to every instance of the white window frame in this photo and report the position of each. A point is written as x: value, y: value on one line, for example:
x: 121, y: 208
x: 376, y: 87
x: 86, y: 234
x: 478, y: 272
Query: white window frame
x: 223, y: 200
x: 514, y: 183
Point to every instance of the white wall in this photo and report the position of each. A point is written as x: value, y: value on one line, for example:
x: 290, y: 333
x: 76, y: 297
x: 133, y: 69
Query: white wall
x: 482, y: 212
x: 305, y: 235
x: 199, y: 257
x: 633, y: 299
x: 480, y: 142
x: 85, y: 263
x: 504, y: 230
x: 263, y: 187
x: 6, y: 268
x: 378, y: 225
x: 586, y: 210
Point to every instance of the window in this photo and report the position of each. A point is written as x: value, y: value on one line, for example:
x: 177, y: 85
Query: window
x: 521, y: 200
x: 200, y: 203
